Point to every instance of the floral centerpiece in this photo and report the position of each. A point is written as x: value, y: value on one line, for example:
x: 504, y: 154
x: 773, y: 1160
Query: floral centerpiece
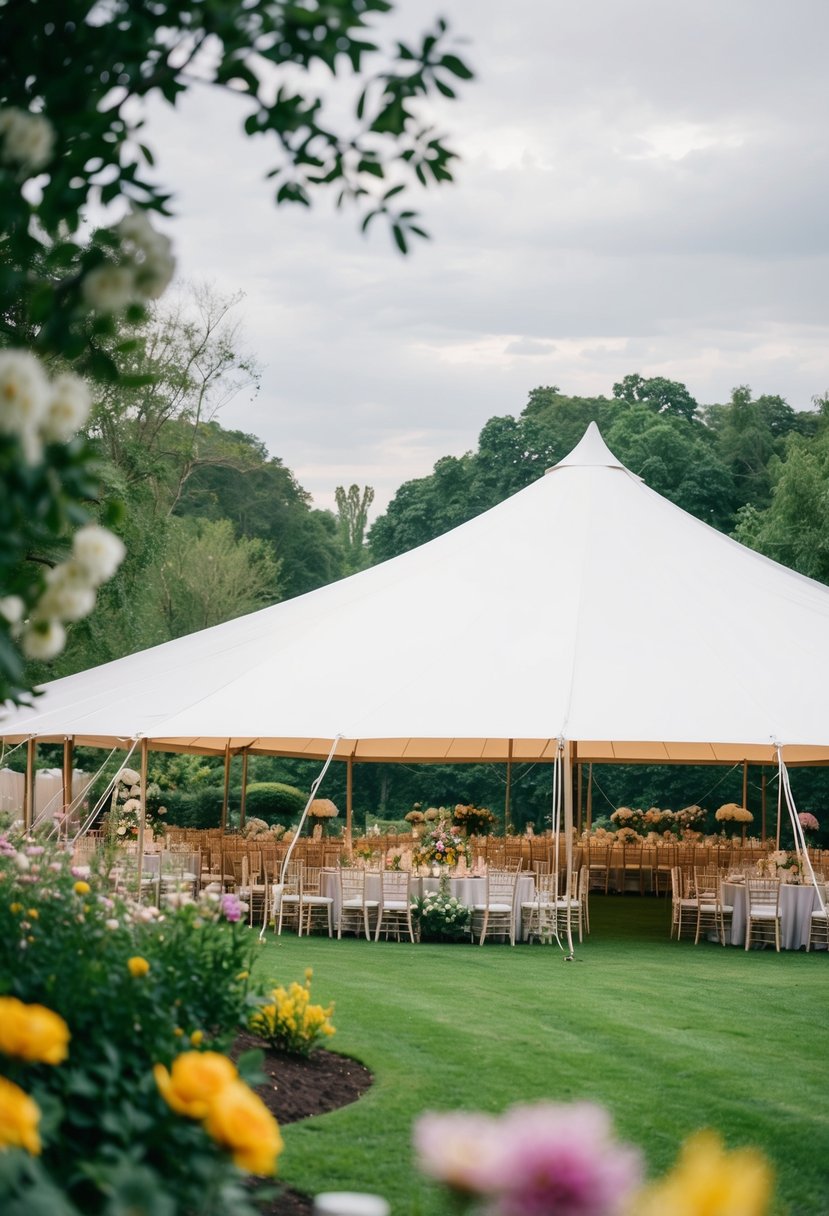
x: 415, y: 817
x: 475, y: 820
x: 785, y: 866
x: 809, y: 823
x: 443, y: 845
x: 689, y: 819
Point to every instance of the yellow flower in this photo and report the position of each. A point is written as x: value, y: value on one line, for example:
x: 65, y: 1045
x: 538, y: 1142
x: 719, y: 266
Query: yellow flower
x: 240, y: 1121
x: 19, y: 1119
x: 243, y: 975
x: 178, y: 1032
x: 81, y: 887
x: 138, y: 966
x: 33, y: 914
x: 15, y: 908
x: 309, y: 971
x: 32, y: 1032
x: 709, y: 1181
x: 195, y: 1080
x: 197, y: 1038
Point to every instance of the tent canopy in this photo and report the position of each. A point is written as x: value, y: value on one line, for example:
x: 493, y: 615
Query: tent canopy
x: 585, y: 607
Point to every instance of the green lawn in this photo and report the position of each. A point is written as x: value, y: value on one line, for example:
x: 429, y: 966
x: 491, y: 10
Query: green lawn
x: 670, y: 1036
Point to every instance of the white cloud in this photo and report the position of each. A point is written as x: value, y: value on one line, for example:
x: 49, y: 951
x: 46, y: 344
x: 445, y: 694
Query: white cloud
x: 642, y: 189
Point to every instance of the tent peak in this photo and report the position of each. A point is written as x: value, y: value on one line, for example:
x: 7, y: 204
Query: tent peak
x: 591, y: 450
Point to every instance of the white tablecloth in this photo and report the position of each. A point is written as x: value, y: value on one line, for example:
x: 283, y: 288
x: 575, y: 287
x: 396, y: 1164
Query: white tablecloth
x: 796, y: 906
x: 469, y: 890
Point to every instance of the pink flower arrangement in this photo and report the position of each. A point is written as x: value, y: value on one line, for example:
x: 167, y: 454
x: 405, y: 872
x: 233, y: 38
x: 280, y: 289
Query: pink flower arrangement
x: 808, y: 822
x: 546, y: 1159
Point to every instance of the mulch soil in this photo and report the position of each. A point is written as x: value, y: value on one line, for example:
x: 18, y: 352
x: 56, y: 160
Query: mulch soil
x: 297, y: 1088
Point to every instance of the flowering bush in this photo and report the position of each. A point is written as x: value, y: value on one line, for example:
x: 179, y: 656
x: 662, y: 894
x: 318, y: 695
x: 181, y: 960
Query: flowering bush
x: 443, y: 845
x: 96, y: 992
x: 476, y: 820
x: 441, y: 917
x: 733, y: 813
x: 290, y: 1022
x: 564, y: 1160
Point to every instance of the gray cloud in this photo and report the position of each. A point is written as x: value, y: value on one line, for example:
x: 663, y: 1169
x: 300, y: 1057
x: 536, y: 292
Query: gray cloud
x: 642, y: 189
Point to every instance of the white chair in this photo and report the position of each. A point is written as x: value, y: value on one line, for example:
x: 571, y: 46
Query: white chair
x: 288, y: 897
x: 395, y: 909
x: 355, y: 908
x: 313, y: 902
x: 683, y: 906
x: 711, y: 911
x: 762, y: 910
x: 819, y: 926
x: 496, y: 915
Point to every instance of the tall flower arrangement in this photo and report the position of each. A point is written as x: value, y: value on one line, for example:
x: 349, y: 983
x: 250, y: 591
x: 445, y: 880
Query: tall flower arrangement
x: 444, y: 845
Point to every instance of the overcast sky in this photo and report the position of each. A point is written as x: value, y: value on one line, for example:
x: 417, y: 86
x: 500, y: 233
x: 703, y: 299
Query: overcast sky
x: 643, y: 189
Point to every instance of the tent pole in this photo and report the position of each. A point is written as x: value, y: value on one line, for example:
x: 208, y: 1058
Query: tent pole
x: 68, y: 761
x: 226, y: 798
x: 508, y: 791
x: 779, y: 809
x: 763, y: 805
x: 579, y: 775
x: 29, y: 786
x: 567, y: 781
x: 244, y: 788
x: 745, y: 784
x: 349, y: 800
x: 590, y: 795
x: 145, y: 747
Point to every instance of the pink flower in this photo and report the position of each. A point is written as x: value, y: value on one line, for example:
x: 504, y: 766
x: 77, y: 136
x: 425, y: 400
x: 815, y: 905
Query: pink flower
x: 459, y: 1149
x: 231, y: 908
x: 547, y: 1159
x: 562, y: 1160
x: 808, y: 822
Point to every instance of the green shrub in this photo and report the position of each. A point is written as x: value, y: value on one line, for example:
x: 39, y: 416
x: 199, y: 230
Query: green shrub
x: 274, y: 802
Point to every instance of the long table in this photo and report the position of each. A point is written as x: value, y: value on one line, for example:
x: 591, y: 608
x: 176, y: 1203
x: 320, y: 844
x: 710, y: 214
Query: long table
x: 469, y: 889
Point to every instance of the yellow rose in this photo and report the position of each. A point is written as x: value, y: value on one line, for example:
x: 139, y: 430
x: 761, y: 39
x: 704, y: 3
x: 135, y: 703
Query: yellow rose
x: 194, y: 1081
x: 708, y: 1179
x: 81, y: 887
x: 137, y: 965
x: 240, y: 1122
x: 197, y: 1038
x: 19, y: 1119
x: 32, y: 1032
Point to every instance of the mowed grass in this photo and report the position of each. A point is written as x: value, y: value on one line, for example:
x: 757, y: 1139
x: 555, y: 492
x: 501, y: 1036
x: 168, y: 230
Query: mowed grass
x: 669, y: 1036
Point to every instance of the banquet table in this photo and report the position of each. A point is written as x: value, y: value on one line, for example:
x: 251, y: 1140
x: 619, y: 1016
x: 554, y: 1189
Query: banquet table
x: 796, y: 906
x: 468, y: 888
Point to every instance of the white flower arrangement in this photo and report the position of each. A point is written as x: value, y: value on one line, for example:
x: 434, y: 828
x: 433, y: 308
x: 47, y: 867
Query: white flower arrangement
x: 26, y: 140
x: 732, y: 812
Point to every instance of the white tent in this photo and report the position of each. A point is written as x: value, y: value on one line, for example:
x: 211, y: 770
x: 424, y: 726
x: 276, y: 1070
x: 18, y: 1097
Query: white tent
x: 586, y: 607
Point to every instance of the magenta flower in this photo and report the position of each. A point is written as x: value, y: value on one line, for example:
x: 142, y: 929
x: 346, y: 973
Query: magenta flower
x: 231, y: 908
x: 547, y: 1159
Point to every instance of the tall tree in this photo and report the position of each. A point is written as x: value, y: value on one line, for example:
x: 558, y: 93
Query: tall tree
x: 74, y: 77
x: 352, y: 518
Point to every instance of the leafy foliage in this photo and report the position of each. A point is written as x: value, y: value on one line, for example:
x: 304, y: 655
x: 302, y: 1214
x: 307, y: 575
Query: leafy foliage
x: 274, y: 802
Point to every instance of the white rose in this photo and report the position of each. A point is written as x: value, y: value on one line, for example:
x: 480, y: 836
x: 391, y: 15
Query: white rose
x: 109, y: 288
x: 43, y: 639
x: 132, y: 806
x: 68, y: 595
x: 149, y: 251
x: 12, y: 608
x: 24, y: 394
x: 67, y: 410
x: 26, y: 139
x: 98, y: 551
x: 129, y: 776
x: 112, y: 923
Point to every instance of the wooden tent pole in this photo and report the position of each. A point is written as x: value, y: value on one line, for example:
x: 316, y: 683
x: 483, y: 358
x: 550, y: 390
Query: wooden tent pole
x: 745, y: 784
x: 567, y: 778
x: 763, y: 806
x: 590, y: 795
x: 244, y: 788
x: 349, y: 800
x: 508, y: 793
x: 226, y: 798
x: 29, y: 786
x: 68, y: 762
x: 579, y: 768
x: 145, y: 747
